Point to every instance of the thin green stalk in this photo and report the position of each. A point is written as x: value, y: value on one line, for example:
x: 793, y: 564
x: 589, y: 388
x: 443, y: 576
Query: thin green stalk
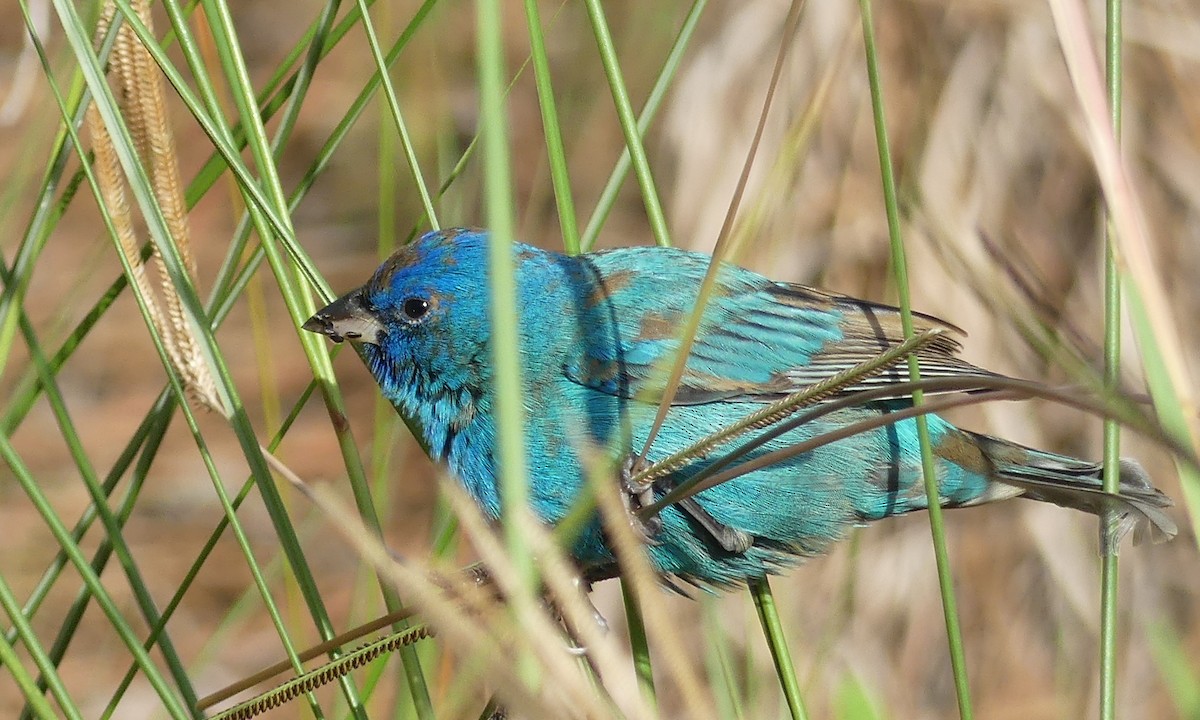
x: 639, y: 642
x: 299, y: 304
x: 768, y: 616
x: 386, y: 422
x: 1112, y: 381
x: 211, y: 543
x: 148, y: 434
x: 9, y: 661
x: 629, y: 126
x: 45, y: 665
x: 410, y: 152
x: 389, y: 187
x: 608, y: 196
x: 277, y: 91
x: 227, y: 395
x: 510, y: 419
x: 158, y: 424
x: 46, y: 213
x: 1149, y: 309
x: 112, y: 528
x: 555, y: 152
x: 718, y: 665
x: 900, y: 268
x: 171, y: 702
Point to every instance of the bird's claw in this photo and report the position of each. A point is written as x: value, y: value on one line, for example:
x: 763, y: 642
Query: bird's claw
x: 574, y: 648
x: 637, y: 495
x: 585, y: 589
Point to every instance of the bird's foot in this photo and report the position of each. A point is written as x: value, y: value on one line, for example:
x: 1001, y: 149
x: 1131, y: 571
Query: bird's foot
x: 585, y: 589
x: 577, y: 648
x: 637, y: 495
x: 729, y: 538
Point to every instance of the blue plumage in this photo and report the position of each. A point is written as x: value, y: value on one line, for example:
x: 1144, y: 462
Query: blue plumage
x: 598, y: 332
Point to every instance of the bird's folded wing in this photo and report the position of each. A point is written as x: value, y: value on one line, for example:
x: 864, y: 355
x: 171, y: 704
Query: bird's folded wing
x: 758, y: 340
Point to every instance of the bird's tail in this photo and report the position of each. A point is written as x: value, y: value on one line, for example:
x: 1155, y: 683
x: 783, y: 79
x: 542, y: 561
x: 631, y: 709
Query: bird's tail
x: 1137, y: 505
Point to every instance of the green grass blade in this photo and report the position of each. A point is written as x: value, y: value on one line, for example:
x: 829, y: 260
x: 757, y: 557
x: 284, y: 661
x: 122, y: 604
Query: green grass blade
x: 157, y: 422
x: 10, y: 662
x: 608, y: 196
x: 768, y: 617
x: 211, y: 543
x: 1149, y: 309
x: 639, y: 642
x: 900, y: 269
x: 148, y: 435
x: 1112, y: 381
x: 112, y: 527
x: 410, y: 153
x: 29, y: 388
x: 633, y: 139
x: 1171, y: 415
x: 385, y: 420
x: 509, y: 408
x: 152, y: 213
x: 277, y: 91
x: 171, y: 702
x: 505, y: 337
x: 1179, y: 669
x: 46, y: 213
x: 45, y: 665
x: 550, y: 127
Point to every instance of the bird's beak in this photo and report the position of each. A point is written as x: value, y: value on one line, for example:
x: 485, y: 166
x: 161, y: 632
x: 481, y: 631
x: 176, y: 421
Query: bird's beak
x: 346, y: 319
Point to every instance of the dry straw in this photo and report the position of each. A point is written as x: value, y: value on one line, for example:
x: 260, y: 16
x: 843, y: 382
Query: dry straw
x: 140, y: 93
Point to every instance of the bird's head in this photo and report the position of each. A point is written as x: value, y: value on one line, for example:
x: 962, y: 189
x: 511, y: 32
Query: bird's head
x: 422, y: 317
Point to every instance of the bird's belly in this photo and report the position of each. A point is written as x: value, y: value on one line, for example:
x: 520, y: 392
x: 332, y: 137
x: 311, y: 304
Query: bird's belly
x: 796, y: 506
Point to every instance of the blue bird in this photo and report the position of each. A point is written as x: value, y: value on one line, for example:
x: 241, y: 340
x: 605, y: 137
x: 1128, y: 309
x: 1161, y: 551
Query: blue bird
x: 597, y: 334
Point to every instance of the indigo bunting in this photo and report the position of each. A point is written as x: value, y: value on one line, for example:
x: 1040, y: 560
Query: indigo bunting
x: 597, y: 332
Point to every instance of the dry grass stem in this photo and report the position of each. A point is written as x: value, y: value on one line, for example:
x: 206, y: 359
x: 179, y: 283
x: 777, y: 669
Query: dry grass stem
x: 140, y: 93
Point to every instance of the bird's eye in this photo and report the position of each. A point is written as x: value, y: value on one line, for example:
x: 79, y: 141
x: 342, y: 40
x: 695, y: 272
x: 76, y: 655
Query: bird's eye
x: 415, y: 308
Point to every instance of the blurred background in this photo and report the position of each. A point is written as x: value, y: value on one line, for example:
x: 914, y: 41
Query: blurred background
x: 1002, y: 217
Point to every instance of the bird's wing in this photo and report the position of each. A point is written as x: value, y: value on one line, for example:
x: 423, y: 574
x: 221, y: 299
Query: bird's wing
x: 759, y: 340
